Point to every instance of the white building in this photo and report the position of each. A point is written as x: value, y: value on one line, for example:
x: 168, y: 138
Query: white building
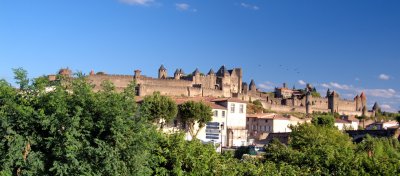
x: 346, y: 124
x: 383, y: 125
x: 228, y: 124
x: 260, y: 125
x: 235, y: 126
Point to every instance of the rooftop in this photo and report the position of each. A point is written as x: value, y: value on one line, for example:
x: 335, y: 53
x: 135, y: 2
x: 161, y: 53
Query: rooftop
x: 229, y: 100
x: 267, y: 116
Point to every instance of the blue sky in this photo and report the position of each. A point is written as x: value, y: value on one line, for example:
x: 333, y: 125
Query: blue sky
x: 346, y: 45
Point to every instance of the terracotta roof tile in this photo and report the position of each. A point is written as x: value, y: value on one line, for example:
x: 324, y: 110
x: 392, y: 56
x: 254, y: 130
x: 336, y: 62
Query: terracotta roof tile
x: 206, y: 100
x: 229, y: 100
x: 267, y: 116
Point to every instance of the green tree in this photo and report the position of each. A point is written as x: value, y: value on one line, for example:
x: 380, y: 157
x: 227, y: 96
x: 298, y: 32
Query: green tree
x: 21, y: 77
x: 195, y: 115
x: 72, y: 130
x: 158, y: 109
x: 315, y: 94
x: 255, y: 107
x: 320, y: 150
x: 323, y: 120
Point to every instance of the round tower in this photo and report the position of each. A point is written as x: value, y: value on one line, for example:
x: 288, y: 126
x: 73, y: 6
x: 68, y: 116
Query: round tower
x: 162, y: 72
x: 177, y: 74
x: 137, y: 74
x: 328, y: 93
x: 252, y: 86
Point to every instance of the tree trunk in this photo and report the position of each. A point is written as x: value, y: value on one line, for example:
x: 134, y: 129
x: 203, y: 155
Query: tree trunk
x: 24, y: 155
x: 191, y: 131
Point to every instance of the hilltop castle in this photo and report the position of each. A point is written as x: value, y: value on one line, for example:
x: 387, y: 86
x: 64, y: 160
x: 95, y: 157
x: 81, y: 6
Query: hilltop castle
x: 229, y: 83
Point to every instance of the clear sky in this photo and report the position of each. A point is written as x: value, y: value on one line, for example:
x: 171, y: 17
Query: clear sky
x: 346, y: 45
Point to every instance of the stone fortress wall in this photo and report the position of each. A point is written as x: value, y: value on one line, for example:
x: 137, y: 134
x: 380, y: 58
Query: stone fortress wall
x: 229, y: 83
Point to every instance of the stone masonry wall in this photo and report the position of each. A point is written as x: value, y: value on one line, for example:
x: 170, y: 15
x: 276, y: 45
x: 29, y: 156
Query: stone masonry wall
x: 347, y: 105
x: 212, y: 93
x: 164, y: 82
x: 164, y: 90
x: 120, y: 81
x: 319, y: 103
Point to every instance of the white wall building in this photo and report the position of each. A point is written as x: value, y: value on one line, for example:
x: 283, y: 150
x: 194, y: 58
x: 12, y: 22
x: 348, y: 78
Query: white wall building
x: 228, y: 124
x: 343, y: 124
x: 260, y: 125
x: 383, y: 125
x: 235, y: 127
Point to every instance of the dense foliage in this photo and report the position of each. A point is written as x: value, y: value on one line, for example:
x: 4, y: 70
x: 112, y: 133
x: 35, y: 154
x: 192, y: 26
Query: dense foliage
x: 254, y: 107
x: 195, y: 115
x: 68, y: 129
x: 323, y: 120
x: 158, y: 109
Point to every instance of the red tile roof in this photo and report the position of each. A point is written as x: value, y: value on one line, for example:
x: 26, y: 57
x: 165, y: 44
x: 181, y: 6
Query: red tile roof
x: 267, y: 116
x: 229, y: 100
x: 206, y: 100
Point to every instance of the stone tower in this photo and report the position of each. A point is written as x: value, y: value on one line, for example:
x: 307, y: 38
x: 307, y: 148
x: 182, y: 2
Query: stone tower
x: 245, y: 88
x: 162, y: 72
x: 308, y: 102
x: 363, y: 101
x: 239, y: 82
x: 252, y: 86
x: 137, y: 74
x: 333, y: 102
x: 376, y: 109
x: 212, y: 80
x: 222, y: 72
x: 178, y: 74
x: 211, y: 72
x: 196, y: 76
x: 328, y: 93
x: 224, y: 81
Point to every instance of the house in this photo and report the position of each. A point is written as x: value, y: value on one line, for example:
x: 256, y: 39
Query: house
x: 228, y: 124
x: 235, y: 126
x: 342, y: 124
x: 383, y: 125
x: 259, y: 126
x: 346, y: 122
x: 213, y: 132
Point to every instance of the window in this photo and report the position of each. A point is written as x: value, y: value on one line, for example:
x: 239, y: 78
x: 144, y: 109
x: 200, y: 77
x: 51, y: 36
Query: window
x: 241, y: 108
x: 215, y: 113
x: 266, y: 120
x: 223, y: 113
x: 232, y: 108
x: 254, y: 127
